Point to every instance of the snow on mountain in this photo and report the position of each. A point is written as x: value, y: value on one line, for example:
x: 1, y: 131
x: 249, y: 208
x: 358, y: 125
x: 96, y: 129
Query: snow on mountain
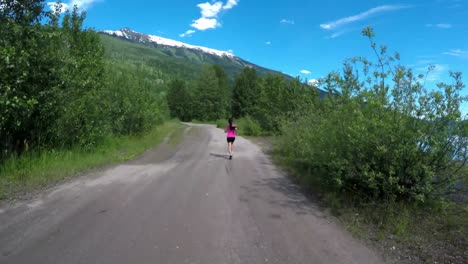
x: 133, y: 35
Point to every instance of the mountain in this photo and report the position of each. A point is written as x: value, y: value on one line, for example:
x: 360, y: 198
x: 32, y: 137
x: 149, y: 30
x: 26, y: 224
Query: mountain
x: 173, y: 57
x: 134, y: 36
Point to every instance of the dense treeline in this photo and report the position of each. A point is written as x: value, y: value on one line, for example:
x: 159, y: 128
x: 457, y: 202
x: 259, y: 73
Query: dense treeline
x: 263, y: 101
x: 57, y: 91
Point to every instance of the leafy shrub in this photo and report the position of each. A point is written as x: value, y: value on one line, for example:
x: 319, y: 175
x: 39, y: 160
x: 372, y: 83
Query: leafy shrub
x: 221, y: 123
x: 84, y: 122
x: 380, y: 142
x: 249, y: 127
x: 135, y: 104
x: 55, y: 90
x: 179, y: 100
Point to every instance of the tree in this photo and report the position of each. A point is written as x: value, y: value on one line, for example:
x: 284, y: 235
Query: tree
x: 47, y: 69
x: 179, y: 100
x: 272, y: 102
x: 27, y: 78
x: 246, y: 93
x: 223, y: 87
x: 209, y: 99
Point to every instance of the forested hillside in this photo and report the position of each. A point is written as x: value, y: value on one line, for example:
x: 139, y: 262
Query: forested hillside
x: 177, y: 61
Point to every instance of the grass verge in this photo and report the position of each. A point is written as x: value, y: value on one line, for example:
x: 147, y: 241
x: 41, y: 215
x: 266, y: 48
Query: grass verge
x: 20, y: 175
x: 402, y: 233
x: 406, y: 234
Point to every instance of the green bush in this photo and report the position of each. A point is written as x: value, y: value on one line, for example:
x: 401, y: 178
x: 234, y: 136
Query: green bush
x: 83, y: 122
x: 248, y: 126
x: 221, y: 123
x: 56, y: 91
x: 51, y: 64
x: 134, y: 104
x: 380, y: 142
x: 179, y: 100
x: 210, y: 94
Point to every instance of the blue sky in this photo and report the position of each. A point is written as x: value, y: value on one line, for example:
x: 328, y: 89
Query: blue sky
x: 309, y: 36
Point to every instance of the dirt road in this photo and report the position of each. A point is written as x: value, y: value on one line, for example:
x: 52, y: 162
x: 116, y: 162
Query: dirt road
x: 184, y: 204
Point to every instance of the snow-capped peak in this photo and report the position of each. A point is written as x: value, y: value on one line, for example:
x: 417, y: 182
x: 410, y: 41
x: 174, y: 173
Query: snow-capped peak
x: 133, y: 35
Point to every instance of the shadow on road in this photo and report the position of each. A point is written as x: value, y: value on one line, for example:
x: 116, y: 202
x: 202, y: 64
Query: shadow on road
x: 219, y: 156
x: 286, y: 195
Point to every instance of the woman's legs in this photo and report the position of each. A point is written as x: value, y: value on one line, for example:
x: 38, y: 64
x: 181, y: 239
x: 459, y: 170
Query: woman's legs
x: 230, y: 146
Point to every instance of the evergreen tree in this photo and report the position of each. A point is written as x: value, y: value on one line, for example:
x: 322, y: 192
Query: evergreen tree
x: 210, y: 95
x: 272, y: 102
x: 224, y: 91
x: 245, y: 94
x: 179, y: 100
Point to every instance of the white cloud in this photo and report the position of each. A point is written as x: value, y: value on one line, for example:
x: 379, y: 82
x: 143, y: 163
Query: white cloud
x: 230, y: 4
x: 210, y: 10
x: 422, y: 62
x: 268, y: 42
x: 285, y: 21
x: 456, y: 53
x: 187, y: 33
x: 336, y: 34
x: 305, y: 72
x: 209, y: 15
x: 313, y: 82
x: 361, y: 16
x: 204, y: 23
x: 441, y: 25
x: 230, y: 51
x: 436, y: 74
x: 81, y: 4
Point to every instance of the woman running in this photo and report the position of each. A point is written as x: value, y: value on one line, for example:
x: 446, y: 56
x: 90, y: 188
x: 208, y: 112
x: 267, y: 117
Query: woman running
x: 231, y: 136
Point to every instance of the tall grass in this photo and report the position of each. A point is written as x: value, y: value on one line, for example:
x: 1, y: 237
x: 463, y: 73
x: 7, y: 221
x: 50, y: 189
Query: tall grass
x: 41, y: 168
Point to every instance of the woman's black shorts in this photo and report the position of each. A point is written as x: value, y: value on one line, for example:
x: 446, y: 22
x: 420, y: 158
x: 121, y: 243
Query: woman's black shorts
x: 231, y: 139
